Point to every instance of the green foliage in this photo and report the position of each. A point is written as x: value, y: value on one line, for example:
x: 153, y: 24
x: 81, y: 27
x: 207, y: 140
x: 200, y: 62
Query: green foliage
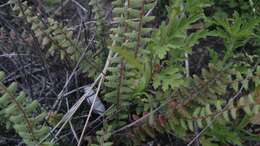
x: 128, y: 37
x: 20, y: 111
x: 129, y: 57
x: 170, y: 77
x: 103, y: 136
x: 149, y: 71
x: 183, y: 119
x: 173, y: 40
x: 120, y: 82
x: 130, y: 32
x: 237, y: 31
x: 51, y: 3
x: 101, y: 24
x: 196, y: 100
x: 57, y: 40
x: 101, y: 30
x: 246, y: 7
x: 224, y: 135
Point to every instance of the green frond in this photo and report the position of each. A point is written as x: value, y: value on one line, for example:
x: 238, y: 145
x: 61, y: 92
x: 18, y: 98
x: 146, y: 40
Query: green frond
x: 57, y: 40
x: 20, y: 111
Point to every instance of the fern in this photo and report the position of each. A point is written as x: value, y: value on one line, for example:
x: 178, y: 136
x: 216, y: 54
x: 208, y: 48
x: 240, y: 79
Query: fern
x: 20, y: 111
x: 202, y: 116
x: 181, y: 114
x: 173, y: 40
x: 103, y: 136
x: 101, y: 30
x: 149, y: 71
x: 130, y: 17
x: 101, y: 25
x: 129, y: 37
x: 235, y: 32
x: 189, y: 99
x: 57, y: 39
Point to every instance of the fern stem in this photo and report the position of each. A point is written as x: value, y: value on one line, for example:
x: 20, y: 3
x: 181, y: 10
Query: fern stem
x: 13, y: 98
x: 121, y: 78
x: 140, y: 28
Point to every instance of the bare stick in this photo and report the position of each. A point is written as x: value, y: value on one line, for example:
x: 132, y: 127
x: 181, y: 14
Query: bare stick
x: 71, y: 126
x: 60, y: 95
x: 92, y: 106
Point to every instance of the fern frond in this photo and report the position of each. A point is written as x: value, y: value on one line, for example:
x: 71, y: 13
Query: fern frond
x: 130, y: 32
x: 174, y: 42
x: 57, y: 39
x: 103, y: 137
x: 21, y: 112
x: 129, y: 35
x: 120, y: 81
x: 101, y: 25
x: 219, y: 112
x: 201, y: 102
